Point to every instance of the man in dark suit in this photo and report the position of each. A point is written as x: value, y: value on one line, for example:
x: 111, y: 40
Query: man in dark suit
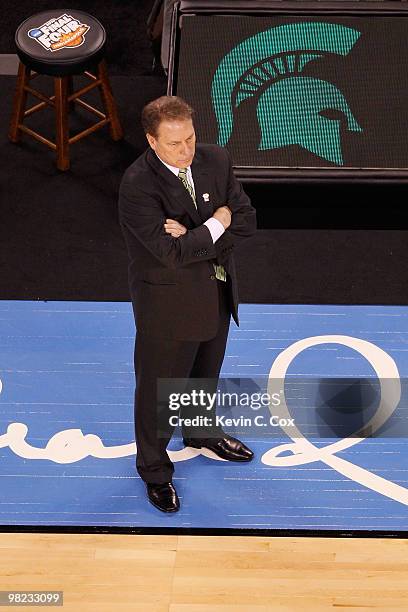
x: 182, y: 213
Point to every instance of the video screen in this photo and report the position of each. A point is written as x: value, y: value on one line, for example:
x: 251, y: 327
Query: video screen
x: 299, y: 92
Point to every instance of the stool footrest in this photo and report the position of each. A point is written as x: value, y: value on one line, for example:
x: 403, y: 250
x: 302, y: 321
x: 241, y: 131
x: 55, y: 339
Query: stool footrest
x: 84, y: 90
x: 39, y: 95
x: 52, y: 145
x: 37, y: 136
x: 90, y: 108
x: 91, y: 76
x: 89, y: 130
x: 37, y: 107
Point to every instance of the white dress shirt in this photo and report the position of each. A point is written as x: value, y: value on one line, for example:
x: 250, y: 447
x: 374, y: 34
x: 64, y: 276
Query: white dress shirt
x: 215, y: 227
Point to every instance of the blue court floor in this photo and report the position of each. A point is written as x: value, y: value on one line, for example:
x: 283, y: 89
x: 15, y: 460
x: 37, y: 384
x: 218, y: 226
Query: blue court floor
x: 335, y: 457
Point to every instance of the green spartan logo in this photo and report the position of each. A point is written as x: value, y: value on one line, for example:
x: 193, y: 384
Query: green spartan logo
x: 269, y: 66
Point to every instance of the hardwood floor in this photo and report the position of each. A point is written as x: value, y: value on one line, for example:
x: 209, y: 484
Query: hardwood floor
x: 112, y: 572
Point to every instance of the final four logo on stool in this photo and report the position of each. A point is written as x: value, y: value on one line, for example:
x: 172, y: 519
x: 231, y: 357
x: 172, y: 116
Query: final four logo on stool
x: 60, y: 32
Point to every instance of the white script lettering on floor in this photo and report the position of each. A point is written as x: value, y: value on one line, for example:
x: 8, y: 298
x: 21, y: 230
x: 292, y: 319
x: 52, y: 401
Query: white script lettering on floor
x: 71, y: 445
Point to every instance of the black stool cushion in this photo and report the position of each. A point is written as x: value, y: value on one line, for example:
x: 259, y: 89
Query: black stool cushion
x: 60, y: 42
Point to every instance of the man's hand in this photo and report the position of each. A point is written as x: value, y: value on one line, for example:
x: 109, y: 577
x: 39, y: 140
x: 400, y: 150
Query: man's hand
x: 174, y: 228
x: 224, y: 215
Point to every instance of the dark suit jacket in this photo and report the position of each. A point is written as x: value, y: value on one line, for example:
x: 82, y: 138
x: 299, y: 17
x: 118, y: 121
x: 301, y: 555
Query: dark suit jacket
x: 173, y: 288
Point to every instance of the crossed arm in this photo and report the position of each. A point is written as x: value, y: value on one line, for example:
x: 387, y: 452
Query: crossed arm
x: 170, y: 242
x: 176, y: 229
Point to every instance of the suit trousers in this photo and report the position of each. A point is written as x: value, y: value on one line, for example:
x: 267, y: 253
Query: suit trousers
x: 157, y: 358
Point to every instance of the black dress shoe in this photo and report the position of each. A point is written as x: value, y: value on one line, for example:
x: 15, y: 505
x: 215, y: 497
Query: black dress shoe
x: 227, y: 447
x: 163, y: 496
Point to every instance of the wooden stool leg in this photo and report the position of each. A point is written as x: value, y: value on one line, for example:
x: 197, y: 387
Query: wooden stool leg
x: 61, y: 122
x: 20, y: 98
x: 109, y: 103
x: 70, y: 92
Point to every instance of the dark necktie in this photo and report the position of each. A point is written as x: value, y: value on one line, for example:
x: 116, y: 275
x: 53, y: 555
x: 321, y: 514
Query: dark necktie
x: 183, y: 178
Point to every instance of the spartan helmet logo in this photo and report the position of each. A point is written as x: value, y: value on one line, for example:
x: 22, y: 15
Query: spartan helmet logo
x: 269, y: 66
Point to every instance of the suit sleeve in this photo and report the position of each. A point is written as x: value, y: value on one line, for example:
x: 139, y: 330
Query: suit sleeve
x: 142, y: 215
x: 243, y: 222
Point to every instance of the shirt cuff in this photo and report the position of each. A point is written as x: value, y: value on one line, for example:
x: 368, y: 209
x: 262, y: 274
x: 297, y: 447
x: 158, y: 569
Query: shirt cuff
x: 216, y: 228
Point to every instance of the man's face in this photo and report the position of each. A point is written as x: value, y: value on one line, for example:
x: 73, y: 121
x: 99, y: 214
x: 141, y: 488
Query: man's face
x: 174, y: 142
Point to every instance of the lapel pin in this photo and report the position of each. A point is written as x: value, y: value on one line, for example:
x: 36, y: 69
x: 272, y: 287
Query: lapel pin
x: 206, y: 197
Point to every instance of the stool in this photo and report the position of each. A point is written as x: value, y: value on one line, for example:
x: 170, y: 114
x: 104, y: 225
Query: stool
x: 62, y: 43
